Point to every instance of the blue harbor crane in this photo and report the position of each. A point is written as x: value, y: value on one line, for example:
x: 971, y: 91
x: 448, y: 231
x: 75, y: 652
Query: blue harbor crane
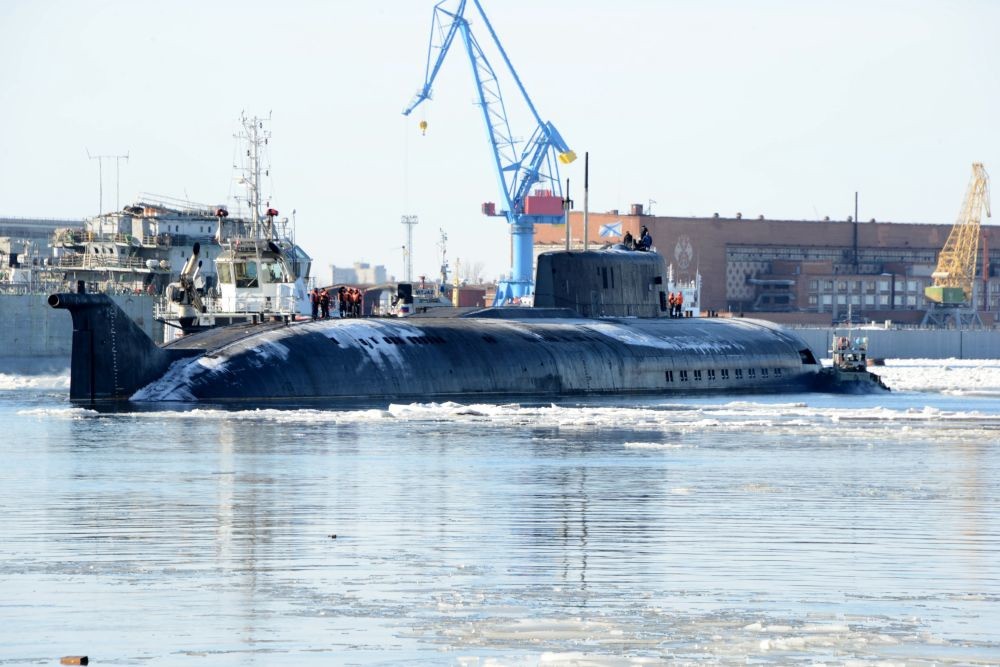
x: 528, y: 174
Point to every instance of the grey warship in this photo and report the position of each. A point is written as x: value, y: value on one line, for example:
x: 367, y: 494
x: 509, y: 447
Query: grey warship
x: 599, y: 326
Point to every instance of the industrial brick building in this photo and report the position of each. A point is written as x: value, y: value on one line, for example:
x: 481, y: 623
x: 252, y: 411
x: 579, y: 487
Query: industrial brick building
x: 797, y: 270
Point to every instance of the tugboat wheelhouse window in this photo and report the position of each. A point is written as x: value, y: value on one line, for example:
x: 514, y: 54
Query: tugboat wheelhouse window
x: 246, y: 274
x: 278, y: 272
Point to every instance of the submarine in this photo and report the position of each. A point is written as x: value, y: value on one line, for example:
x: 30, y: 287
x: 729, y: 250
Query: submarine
x: 599, y: 326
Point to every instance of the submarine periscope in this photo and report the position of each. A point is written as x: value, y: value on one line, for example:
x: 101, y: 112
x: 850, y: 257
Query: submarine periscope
x: 599, y: 325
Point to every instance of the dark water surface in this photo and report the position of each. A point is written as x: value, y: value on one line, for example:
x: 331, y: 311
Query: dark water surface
x: 775, y: 530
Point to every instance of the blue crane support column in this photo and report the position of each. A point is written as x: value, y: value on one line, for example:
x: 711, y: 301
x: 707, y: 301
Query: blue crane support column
x: 518, y: 168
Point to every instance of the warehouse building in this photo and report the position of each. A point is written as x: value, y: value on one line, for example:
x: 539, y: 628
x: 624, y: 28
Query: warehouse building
x: 796, y: 271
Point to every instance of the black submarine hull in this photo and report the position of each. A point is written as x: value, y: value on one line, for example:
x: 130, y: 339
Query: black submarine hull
x: 544, y: 351
x: 492, y: 353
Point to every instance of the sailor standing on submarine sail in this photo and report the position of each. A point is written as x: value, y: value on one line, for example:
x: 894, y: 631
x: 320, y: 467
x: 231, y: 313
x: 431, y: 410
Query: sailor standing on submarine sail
x: 645, y: 240
x: 628, y: 241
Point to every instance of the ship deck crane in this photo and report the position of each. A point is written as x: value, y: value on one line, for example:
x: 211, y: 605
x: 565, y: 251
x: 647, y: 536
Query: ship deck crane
x: 952, y: 294
x: 520, y: 169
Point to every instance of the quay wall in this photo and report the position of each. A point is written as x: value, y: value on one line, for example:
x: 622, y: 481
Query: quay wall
x: 37, y: 338
x: 912, y: 343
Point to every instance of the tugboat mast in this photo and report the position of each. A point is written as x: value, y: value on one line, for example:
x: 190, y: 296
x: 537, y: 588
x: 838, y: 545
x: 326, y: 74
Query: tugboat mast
x: 255, y: 136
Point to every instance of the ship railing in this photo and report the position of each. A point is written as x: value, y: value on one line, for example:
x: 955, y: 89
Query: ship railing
x: 254, y: 304
x: 33, y: 287
x: 102, y: 261
x: 245, y: 305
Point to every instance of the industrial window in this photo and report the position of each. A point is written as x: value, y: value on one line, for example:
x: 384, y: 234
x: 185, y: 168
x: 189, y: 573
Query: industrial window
x: 777, y: 372
x: 670, y: 376
x: 604, y: 276
x: 725, y: 373
x: 739, y: 373
x: 684, y: 376
x: 697, y: 376
x: 711, y: 374
x: 763, y: 372
x: 751, y: 373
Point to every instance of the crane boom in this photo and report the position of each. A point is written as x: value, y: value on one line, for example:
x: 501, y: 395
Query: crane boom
x: 518, y: 168
x: 956, y: 267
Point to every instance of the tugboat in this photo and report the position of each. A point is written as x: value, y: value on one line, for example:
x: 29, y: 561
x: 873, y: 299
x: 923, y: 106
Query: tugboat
x: 261, y: 274
x: 849, y: 372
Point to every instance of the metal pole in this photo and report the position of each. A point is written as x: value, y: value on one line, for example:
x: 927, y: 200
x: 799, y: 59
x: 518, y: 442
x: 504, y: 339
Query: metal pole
x: 566, y: 205
x: 409, y: 221
x: 855, y: 232
x: 586, y: 208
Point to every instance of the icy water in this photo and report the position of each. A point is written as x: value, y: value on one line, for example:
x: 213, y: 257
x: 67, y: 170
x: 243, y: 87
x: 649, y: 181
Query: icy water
x: 725, y: 530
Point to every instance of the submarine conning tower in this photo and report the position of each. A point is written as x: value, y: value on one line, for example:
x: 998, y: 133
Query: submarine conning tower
x: 612, y: 282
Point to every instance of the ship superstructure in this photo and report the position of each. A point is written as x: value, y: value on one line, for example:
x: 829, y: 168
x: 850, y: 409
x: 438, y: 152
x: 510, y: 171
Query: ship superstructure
x: 252, y: 271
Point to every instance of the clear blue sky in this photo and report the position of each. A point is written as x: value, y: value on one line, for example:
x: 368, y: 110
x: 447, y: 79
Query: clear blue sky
x: 775, y: 107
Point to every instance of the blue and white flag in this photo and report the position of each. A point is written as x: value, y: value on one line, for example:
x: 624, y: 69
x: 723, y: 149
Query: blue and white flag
x: 612, y: 229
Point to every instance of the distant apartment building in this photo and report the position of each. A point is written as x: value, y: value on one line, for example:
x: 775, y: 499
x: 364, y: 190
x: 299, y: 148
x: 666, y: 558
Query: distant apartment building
x: 362, y: 273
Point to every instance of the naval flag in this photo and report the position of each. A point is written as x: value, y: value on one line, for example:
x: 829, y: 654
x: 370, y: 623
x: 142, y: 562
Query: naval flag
x: 612, y: 229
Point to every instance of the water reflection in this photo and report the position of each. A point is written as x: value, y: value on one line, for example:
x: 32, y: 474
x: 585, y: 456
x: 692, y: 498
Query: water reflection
x: 680, y: 532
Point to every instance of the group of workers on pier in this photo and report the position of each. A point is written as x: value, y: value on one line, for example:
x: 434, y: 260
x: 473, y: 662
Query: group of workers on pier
x: 348, y: 299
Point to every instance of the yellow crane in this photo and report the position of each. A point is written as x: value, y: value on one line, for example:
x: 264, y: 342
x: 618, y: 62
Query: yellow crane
x: 956, y: 267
